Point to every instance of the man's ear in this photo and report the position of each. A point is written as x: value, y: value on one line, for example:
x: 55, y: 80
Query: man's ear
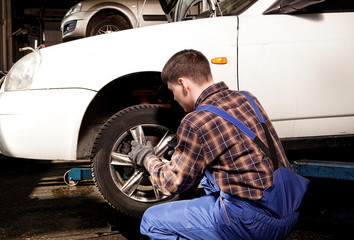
x: 184, y: 83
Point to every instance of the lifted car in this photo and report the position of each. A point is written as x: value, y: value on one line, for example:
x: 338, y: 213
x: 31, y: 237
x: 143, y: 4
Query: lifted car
x: 95, y: 17
x: 87, y: 99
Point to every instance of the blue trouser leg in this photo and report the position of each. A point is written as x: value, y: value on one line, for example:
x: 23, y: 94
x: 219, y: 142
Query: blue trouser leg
x: 200, y: 218
x: 214, y: 217
x: 205, y: 218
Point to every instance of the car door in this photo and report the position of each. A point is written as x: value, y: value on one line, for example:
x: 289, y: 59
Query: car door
x: 151, y: 13
x: 300, y: 66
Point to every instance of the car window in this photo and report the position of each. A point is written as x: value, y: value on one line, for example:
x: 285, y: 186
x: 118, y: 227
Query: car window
x: 167, y: 5
x: 228, y: 7
x: 330, y: 6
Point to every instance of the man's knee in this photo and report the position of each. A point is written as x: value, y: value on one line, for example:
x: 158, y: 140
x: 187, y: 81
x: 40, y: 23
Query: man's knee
x: 157, y: 217
x: 148, y: 220
x: 157, y: 223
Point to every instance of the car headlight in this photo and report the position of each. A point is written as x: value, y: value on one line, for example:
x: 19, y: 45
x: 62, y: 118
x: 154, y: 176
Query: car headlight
x: 74, y: 9
x: 21, y: 74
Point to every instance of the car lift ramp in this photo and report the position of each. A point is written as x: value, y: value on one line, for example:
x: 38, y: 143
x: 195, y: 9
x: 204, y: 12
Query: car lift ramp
x: 74, y: 175
x: 324, y: 169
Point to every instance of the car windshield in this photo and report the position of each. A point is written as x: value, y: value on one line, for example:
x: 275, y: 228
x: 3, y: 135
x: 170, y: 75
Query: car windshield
x: 206, y: 8
x: 233, y: 7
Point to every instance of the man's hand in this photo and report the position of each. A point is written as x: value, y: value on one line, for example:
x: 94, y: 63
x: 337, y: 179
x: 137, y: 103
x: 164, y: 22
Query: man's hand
x: 139, y: 153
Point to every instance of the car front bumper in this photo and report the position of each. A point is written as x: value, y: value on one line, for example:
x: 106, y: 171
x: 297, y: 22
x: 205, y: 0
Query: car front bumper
x: 42, y: 124
x: 74, y: 26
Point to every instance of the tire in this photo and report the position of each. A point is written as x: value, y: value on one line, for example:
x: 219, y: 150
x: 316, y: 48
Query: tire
x: 103, y: 26
x: 124, y: 185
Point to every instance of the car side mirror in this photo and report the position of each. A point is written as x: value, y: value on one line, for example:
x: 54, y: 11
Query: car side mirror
x: 289, y: 6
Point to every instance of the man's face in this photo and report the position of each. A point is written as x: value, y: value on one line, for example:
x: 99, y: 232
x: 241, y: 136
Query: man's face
x: 181, y: 95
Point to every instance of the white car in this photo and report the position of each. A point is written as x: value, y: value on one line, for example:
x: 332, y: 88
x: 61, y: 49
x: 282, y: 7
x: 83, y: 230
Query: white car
x: 95, y: 17
x: 89, y: 98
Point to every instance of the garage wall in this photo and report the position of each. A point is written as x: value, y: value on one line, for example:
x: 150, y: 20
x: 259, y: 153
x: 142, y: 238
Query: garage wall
x: 29, y: 23
x: 5, y: 28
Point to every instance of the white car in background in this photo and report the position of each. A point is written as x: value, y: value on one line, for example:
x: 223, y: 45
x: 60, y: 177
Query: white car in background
x: 87, y: 99
x: 95, y: 17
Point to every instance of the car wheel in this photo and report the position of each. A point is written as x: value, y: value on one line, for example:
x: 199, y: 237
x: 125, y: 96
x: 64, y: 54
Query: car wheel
x: 104, y: 26
x: 125, y: 186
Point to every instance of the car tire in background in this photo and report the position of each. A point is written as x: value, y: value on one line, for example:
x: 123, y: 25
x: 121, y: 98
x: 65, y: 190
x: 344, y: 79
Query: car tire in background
x: 125, y: 186
x: 99, y: 25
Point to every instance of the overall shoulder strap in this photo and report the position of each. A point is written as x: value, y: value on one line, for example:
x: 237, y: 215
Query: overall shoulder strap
x: 254, y: 105
x: 276, y: 163
x: 229, y: 118
x: 270, y: 152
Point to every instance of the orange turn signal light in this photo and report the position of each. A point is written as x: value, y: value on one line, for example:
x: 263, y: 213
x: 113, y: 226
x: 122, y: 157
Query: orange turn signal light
x: 219, y: 60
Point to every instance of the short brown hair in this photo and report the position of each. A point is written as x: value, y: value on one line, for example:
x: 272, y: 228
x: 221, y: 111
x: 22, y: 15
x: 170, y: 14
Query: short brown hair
x: 187, y: 63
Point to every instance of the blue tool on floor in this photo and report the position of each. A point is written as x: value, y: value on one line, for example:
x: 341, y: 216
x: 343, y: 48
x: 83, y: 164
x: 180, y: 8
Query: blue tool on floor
x: 74, y: 175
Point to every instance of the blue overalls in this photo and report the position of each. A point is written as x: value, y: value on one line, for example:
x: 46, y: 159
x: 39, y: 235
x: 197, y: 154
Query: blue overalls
x: 219, y: 215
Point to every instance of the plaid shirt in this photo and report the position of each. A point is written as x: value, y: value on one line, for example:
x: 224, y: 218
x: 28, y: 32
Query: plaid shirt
x: 205, y: 140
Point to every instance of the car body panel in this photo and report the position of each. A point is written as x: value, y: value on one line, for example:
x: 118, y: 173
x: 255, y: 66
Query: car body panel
x: 59, y: 72
x: 280, y: 79
x: 42, y: 124
x: 152, y: 48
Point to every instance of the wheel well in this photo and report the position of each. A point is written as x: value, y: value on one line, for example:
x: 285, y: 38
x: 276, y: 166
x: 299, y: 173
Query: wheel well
x: 115, y: 96
x: 108, y: 14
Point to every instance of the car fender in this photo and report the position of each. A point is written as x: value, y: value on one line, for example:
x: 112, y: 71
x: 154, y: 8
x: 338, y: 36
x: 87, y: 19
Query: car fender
x: 92, y: 63
x: 128, y: 12
x: 81, y: 68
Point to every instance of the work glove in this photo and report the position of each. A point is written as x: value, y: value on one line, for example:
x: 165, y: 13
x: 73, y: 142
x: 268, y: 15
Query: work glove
x: 170, y: 150
x: 139, y: 153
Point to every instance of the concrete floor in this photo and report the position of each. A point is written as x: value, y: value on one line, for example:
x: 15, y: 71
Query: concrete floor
x: 35, y: 203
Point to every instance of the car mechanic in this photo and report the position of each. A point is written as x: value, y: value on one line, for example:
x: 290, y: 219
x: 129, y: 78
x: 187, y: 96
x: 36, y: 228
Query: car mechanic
x: 228, y: 144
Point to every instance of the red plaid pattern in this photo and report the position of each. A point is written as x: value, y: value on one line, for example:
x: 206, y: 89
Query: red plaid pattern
x: 206, y: 140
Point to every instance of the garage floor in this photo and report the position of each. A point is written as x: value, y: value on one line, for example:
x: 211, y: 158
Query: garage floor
x: 35, y: 203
